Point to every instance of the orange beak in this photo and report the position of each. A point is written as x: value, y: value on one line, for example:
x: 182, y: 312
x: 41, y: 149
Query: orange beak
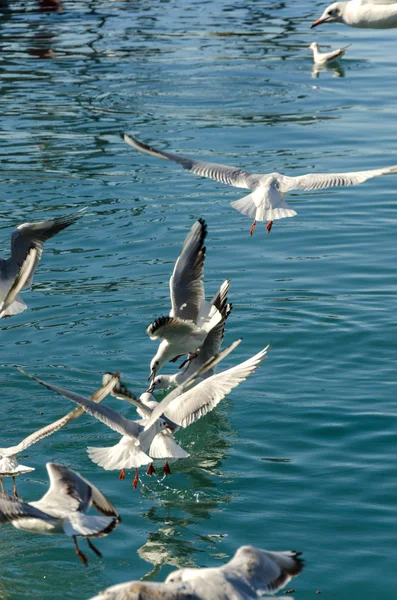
x: 318, y: 22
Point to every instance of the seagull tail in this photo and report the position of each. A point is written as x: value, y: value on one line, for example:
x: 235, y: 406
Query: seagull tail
x: 246, y: 206
x: 121, y: 456
x: 164, y: 446
x: 89, y: 525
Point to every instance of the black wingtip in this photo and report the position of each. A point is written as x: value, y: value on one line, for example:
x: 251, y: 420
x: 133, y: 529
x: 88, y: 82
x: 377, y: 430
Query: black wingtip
x: 122, y: 135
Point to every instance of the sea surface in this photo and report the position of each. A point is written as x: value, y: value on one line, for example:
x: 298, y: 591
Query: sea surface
x: 303, y: 455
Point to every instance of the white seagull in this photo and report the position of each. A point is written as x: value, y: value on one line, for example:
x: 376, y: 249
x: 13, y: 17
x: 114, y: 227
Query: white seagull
x: 250, y: 574
x: 131, y: 450
x: 326, y: 58
x: 62, y: 509
x: 266, y: 202
x: 210, y: 347
x: 9, y: 465
x: 191, y: 318
x: 374, y: 14
x: 17, y: 271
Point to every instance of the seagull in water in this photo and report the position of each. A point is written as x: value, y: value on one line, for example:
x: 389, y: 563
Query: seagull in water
x: 62, y: 509
x: 17, y: 271
x: 191, y: 318
x: 266, y: 202
x: 374, y: 14
x: 9, y: 465
x: 251, y: 573
x: 326, y: 58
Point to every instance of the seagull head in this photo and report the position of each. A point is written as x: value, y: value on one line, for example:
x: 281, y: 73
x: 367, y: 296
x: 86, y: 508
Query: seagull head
x: 154, y: 367
x: 161, y: 382
x: 313, y: 46
x: 332, y: 14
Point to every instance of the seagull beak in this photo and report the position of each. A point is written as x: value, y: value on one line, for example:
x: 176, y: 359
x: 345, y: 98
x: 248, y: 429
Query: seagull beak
x: 170, y: 427
x: 318, y: 22
x: 152, y: 375
x: 150, y: 388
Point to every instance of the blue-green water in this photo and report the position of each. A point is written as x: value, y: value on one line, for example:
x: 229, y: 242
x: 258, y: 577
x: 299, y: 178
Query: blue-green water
x: 301, y: 456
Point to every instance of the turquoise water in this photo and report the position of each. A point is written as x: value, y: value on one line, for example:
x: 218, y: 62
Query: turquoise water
x: 302, y: 455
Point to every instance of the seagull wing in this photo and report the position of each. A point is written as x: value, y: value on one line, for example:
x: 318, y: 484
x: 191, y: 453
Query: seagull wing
x: 13, y: 509
x: 69, y: 492
x: 210, y: 364
x: 228, y: 175
x: 203, y: 397
x: 98, y: 396
x: 105, y: 414
x: 33, y: 235
x: 23, y: 275
x: 171, y: 329
x: 264, y: 572
x: 186, y: 283
x: 319, y: 181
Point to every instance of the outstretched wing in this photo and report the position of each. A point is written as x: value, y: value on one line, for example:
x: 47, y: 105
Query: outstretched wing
x: 13, y: 509
x: 25, y: 272
x: 319, y: 181
x: 203, y: 397
x: 98, y: 396
x: 137, y: 590
x: 222, y: 173
x: 186, y: 283
x: 171, y: 329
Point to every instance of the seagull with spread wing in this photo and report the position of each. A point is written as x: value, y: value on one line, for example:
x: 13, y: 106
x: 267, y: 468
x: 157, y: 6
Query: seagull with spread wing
x: 191, y: 318
x: 266, y: 202
x: 16, y: 272
x: 9, y: 465
x: 251, y: 573
x: 62, y: 509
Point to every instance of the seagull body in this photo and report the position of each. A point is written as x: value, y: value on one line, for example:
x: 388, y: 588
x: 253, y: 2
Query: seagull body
x: 373, y: 14
x: 9, y: 465
x: 62, y: 509
x: 326, y: 58
x: 191, y: 318
x: 16, y: 272
x: 266, y: 202
x: 251, y: 573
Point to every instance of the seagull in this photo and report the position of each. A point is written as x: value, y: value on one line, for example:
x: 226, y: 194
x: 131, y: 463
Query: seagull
x: 266, y: 202
x: 374, y: 14
x: 9, y: 465
x: 62, y: 509
x: 191, y: 318
x: 326, y: 58
x: 131, y: 450
x: 17, y: 271
x: 210, y: 347
x: 251, y: 573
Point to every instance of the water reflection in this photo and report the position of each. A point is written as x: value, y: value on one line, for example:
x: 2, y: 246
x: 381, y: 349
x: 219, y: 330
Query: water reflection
x: 337, y: 70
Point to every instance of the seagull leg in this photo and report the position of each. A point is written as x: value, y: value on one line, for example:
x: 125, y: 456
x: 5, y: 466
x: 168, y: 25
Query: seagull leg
x: 269, y: 226
x: 190, y: 357
x: 253, y: 228
x: 166, y: 468
x: 79, y: 553
x: 91, y: 545
x: 15, y: 487
x: 2, y: 486
x: 136, y: 479
x: 173, y: 360
x: 122, y: 474
x: 150, y: 469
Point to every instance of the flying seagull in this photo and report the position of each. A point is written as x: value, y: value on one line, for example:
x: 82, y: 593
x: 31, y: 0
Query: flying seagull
x: 266, y: 201
x: 16, y: 272
x: 62, y: 509
x: 251, y: 573
x: 9, y: 465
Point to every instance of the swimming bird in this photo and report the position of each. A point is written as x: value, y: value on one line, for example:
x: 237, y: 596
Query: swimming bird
x: 266, y: 202
x: 9, y: 465
x: 251, y: 573
x: 191, y: 318
x: 16, y: 272
x: 374, y: 14
x: 324, y: 58
x: 62, y: 510
x: 210, y: 347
